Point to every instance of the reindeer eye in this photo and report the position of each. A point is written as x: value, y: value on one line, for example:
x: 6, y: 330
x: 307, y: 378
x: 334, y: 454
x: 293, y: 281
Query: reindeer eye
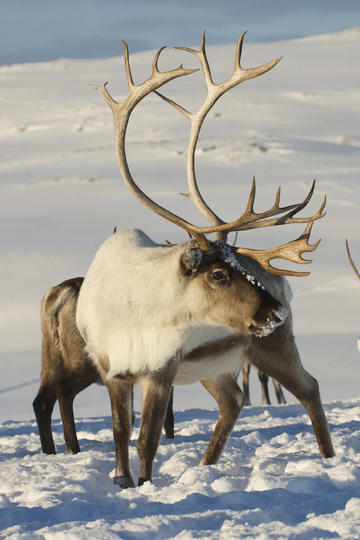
x: 218, y: 275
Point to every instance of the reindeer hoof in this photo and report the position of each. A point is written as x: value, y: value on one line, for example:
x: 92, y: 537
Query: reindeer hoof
x: 123, y: 481
x: 142, y: 481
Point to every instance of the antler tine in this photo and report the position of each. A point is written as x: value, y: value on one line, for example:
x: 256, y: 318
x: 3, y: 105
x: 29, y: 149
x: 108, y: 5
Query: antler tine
x: 302, y: 204
x: 291, y: 251
x: 251, y: 72
x: 250, y: 205
x: 201, y: 55
x: 127, y: 66
x: 155, y: 68
x: 239, y: 50
x: 357, y: 273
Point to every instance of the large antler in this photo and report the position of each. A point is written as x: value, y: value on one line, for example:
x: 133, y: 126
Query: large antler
x: 249, y: 219
x: 214, y: 92
x: 357, y: 273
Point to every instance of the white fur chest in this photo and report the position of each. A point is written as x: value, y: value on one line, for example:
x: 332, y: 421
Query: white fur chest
x: 127, y: 304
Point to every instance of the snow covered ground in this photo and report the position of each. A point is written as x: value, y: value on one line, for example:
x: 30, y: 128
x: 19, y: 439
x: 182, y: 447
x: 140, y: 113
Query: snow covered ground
x: 269, y: 483
x: 61, y: 195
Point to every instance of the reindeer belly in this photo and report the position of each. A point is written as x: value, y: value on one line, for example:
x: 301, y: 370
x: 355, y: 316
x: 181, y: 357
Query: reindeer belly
x: 209, y: 366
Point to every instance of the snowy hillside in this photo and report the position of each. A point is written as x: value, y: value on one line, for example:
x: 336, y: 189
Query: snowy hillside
x: 61, y: 196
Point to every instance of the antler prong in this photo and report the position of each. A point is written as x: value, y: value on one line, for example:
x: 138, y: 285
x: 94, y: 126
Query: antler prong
x: 301, y: 205
x: 251, y: 73
x: 250, y: 205
x: 357, y: 273
x: 238, y: 53
x: 155, y: 68
x: 277, y: 197
x: 127, y: 66
x: 104, y: 92
x: 181, y: 109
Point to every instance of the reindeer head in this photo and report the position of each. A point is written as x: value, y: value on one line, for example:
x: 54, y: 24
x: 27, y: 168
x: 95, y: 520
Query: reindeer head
x: 217, y: 277
x: 235, y: 293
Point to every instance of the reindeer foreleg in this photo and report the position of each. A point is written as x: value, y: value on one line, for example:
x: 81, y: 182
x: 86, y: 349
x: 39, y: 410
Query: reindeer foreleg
x: 156, y: 388
x: 120, y: 392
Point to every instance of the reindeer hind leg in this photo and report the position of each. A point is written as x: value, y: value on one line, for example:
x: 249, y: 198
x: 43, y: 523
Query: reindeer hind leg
x: 278, y: 356
x: 67, y: 391
x: 230, y: 399
x: 43, y: 405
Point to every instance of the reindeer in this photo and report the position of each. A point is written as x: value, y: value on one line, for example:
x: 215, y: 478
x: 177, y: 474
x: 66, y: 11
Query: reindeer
x: 66, y: 368
x: 357, y: 273
x: 162, y: 315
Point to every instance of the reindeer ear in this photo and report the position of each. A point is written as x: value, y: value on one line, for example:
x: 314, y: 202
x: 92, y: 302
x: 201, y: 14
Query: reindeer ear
x: 190, y: 260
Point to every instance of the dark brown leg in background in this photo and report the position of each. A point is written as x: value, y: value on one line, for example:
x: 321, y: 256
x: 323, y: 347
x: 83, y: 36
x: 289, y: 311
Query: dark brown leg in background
x: 67, y: 390
x: 264, y: 381
x: 245, y: 376
x: 169, y: 416
x: 278, y: 391
x: 43, y: 406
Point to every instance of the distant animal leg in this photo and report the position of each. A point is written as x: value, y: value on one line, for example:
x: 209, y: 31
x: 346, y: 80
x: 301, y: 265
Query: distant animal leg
x: 245, y: 376
x: 278, y: 391
x: 278, y: 357
x: 120, y: 393
x: 67, y: 390
x: 68, y: 421
x: 169, y: 416
x: 230, y: 399
x: 264, y: 380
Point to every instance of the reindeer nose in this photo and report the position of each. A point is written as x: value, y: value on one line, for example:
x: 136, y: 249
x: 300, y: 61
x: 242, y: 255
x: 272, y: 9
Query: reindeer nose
x: 275, y: 318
